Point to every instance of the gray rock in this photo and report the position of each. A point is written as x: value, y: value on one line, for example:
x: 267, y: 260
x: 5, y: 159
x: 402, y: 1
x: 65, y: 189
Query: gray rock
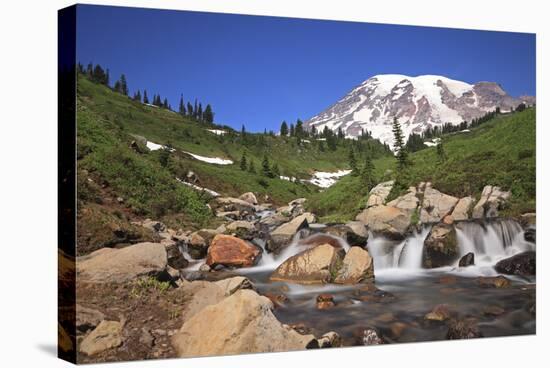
x: 391, y: 222
x: 379, y: 193
x: 436, y: 205
x: 440, y: 247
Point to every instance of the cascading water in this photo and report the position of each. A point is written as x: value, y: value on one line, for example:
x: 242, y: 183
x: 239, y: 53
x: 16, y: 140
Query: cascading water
x: 491, y: 241
x: 406, y: 254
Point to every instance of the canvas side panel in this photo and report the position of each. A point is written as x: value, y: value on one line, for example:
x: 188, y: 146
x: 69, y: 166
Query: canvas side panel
x: 66, y: 133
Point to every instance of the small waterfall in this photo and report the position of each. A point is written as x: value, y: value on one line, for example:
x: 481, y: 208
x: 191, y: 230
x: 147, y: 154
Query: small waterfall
x: 491, y: 241
x: 406, y: 254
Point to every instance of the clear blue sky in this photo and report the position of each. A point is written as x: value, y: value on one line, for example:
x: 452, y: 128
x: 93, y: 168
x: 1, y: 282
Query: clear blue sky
x: 259, y: 71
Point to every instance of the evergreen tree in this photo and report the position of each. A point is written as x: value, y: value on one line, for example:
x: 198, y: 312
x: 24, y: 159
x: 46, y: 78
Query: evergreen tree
x: 189, y: 109
x: 299, y: 129
x: 243, y: 131
x: 266, y: 169
x: 292, y: 130
x: 340, y: 133
x: 208, y: 115
x: 284, y: 129
x: 243, y: 162
x: 107, y: 78
x: 367, y: 174
x: 145, y: 98
x: 399, y: 146
x: 165, y: 103
x: 117, y: 87
x: 123, y: 85
x: 199, y: 113
x: 137, y: 96
x: 182, y: 106
x: 196, y: 110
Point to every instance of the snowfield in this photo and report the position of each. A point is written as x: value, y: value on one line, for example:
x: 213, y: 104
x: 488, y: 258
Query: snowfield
x: 210, y: 160
x: 217, y: 131
x: 200, y: 189
x: 325, y: 179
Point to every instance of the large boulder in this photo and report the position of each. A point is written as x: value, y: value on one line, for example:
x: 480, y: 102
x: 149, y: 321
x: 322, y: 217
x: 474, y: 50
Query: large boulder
x: 522, y: 264
x: 230, y: 251
x: 200, y: 295
x: 249, y: 197
x: 463, y: 209
x: 379, y: 193
x: 357, y: 267
x: 348, y: 234
x: 436, y: 205
x: 440, y: 246
x: 388, y: 221
x: 121, y: 265
x: 241, y: 323
x: 282, y: 235
x: 312, y: 266
x: 107, y: 335
x: 407, y: 202
x: 491, y: 200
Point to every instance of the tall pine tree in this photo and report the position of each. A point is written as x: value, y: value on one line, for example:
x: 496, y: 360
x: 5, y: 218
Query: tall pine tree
x: 399, y: 145
x: 182, y: 106
x: 208, y: 114
x: 367, y: 174
x: 284, y: 129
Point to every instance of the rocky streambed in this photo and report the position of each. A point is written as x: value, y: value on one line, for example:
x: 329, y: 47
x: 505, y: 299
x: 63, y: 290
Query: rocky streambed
x: 273, y: 279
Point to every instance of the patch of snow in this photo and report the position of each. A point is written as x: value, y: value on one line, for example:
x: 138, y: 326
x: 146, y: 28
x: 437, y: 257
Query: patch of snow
x: 305, y: 141
x: 217, y: 131
x: 287, y: 178
x: 325, y: 179
x: 434, y: 142
x: 465, y: 131
x: 201, y: 189
x: 210, y: 160
x: 151, y: 105
x: 154, y: 146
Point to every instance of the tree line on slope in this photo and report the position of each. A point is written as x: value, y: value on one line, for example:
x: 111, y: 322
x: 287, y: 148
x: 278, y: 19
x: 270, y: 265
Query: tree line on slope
x: 100, y: 75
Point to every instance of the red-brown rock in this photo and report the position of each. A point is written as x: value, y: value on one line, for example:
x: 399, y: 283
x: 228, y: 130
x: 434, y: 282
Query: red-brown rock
x: 231, y: 252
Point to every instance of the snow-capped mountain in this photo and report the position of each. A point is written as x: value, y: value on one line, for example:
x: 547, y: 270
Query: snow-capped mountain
x: 417, y: 103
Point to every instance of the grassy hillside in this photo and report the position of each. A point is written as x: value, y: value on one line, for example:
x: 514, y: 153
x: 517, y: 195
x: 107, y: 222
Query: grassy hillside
x: 500, y: 152
x: 108, y: 122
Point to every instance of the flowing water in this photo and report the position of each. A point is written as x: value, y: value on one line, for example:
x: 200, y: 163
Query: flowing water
x: 406, y: 291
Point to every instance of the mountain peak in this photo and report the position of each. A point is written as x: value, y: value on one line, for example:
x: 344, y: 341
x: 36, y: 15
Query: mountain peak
x: 417, y: 102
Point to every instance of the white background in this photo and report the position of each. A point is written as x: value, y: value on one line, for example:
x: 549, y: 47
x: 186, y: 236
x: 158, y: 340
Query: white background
x: 28, y: 93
